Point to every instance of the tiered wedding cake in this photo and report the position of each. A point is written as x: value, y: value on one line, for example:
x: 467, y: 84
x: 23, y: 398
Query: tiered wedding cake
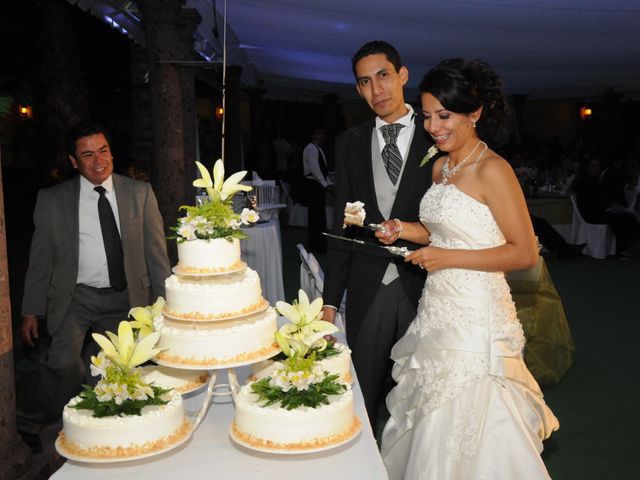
x: 299, y: 405
x: 215, y: 315
x: 123, y: 416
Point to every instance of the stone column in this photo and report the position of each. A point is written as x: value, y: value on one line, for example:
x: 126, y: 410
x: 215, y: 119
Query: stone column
x: 141, y: 132
x: 66, y: 95
x: 190, y: 19
x: 233, y: 126
x: 14, y: 454
x: 161, y: 19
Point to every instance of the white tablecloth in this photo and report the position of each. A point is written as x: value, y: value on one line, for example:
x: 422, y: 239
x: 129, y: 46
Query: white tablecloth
x: 211, y: 454
x: 262, y: 251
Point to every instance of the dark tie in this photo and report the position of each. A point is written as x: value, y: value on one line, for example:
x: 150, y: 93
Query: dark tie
x: 391, y: 153
x: 112, y: 243
x: 321, y: 161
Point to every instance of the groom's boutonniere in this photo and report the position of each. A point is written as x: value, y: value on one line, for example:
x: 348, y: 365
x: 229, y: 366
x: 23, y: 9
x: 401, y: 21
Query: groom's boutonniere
x: 432, y: 152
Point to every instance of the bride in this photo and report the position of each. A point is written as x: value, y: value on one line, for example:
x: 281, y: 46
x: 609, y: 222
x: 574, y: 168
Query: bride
x: 465, y: 406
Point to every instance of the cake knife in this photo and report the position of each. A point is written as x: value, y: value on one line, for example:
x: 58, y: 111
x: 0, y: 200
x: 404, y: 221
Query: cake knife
x: 400, y: 251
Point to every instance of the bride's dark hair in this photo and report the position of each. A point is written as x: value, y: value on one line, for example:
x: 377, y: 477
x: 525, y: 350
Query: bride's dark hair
x: 463, y: 86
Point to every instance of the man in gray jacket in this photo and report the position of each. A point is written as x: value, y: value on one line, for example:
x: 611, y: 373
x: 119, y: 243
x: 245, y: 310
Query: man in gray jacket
x: 98, y: 249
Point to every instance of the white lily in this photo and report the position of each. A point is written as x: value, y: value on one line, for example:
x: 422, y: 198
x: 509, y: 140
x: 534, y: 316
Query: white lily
x: 218, y: 188
x: 144, y: 317
x: 123, y: 350
x: 306, y: 330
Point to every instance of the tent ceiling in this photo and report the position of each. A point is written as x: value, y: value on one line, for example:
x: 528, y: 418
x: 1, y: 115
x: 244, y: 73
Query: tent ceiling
x: 542, y: 48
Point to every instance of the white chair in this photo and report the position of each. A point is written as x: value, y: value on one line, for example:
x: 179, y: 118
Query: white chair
x: 312, y: 281
x: 297, y: 213
x: 599, y: 237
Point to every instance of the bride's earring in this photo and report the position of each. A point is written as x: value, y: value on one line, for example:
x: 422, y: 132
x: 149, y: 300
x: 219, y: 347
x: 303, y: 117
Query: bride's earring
x: 473, y: 122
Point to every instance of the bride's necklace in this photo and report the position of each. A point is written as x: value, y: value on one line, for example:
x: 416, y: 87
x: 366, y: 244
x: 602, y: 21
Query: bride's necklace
x: 446, y: 173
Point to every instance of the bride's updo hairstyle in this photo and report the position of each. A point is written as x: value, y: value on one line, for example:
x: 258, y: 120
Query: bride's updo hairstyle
x: 463, y: 86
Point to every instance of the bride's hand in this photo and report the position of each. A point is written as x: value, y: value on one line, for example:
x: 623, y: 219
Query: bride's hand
x: 389, y: 233
x: 428, y: 258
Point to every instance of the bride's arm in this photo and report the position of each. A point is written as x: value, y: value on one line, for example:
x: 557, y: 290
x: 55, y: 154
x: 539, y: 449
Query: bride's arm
x: 395, y: 229
x: 500, y: 190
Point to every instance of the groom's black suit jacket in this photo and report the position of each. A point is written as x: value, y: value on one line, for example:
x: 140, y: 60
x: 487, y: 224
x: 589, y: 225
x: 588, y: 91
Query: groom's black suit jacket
x: 360, y: 269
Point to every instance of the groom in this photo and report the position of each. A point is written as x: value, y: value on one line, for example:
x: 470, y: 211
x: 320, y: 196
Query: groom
x: 377, y: 163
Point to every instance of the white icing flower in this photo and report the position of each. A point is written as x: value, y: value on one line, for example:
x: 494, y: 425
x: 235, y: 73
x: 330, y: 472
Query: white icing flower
x: 249, y: 216
x: 187, y: 231
x: 233, y: 223
x: 104, y: 393
x: 142, y: 392
x: 120, y: 393
x: 99, y: 365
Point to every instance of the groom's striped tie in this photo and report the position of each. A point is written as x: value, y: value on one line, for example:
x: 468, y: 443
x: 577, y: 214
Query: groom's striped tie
x: 391, y: 153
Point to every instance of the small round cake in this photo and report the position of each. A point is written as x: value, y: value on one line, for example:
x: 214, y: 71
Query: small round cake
x: 208, y: 256
x: 211, y: 298
x: 304, y: 428
x: 337, y: 364
x: 214, y: 344
x: 118, y: 437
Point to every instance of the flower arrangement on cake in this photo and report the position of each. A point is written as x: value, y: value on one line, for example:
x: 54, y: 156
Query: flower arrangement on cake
x: 215, y: 218
x: 121, y: 390
x: 304, y: 339
x: 143, y: 317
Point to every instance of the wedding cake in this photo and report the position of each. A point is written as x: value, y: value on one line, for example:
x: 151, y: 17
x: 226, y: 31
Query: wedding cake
x: 215, y: 314
x: 123, y: 416
x: 299, y: 403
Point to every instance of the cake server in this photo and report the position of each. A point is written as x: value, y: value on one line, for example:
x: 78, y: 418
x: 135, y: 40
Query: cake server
x: 400, y: 251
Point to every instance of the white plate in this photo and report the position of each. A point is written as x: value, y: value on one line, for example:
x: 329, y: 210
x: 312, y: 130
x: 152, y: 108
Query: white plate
x: 86, y: 459
x: 295, y: 452
x: 167, y: 377
x: 217, y: 366
x: 178, y: 271
x: 261, y: 308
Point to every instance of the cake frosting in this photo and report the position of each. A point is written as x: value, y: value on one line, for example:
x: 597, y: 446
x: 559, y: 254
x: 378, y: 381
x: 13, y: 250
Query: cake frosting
x: 209, y: 256
x: 354, y: 214
x: 216, y: 297
x: 275, y: 428
x: 156, y: 428
x: 337, y: 364
x: 214, y: 344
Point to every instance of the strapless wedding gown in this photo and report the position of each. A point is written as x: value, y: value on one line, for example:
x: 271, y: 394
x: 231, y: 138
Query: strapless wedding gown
x: 465, y: 405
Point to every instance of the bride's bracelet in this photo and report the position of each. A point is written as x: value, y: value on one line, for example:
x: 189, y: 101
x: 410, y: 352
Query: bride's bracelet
x: 399, y: 226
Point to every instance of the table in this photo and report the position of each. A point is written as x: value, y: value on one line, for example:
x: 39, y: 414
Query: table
x: 211, y: 454
x: 262, y: 251
x: 558, y: 211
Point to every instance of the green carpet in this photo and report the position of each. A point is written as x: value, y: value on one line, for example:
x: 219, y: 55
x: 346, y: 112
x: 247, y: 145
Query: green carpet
x: 596, y: 401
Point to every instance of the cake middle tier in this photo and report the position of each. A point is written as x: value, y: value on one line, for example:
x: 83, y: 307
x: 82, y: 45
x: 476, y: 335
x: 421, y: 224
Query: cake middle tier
x: 217, y: 344
x: 213, y: 297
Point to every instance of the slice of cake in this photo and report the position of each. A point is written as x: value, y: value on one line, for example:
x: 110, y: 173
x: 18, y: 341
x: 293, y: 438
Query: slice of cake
x: 123, y: 416
x: 354, y: 214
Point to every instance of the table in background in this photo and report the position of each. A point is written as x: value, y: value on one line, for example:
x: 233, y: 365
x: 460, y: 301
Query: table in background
x: 262, y: 250
x: 555, y: 210
x: 212, y: 454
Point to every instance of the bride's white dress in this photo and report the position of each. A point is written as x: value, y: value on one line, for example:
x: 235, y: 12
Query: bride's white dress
x: 465, y: 405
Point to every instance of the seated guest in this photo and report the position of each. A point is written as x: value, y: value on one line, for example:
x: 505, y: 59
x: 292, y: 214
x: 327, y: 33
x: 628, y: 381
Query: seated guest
x: 589, y: 198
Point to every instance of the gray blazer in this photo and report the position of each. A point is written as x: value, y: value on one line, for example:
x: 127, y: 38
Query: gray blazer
x: 53, y: 260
